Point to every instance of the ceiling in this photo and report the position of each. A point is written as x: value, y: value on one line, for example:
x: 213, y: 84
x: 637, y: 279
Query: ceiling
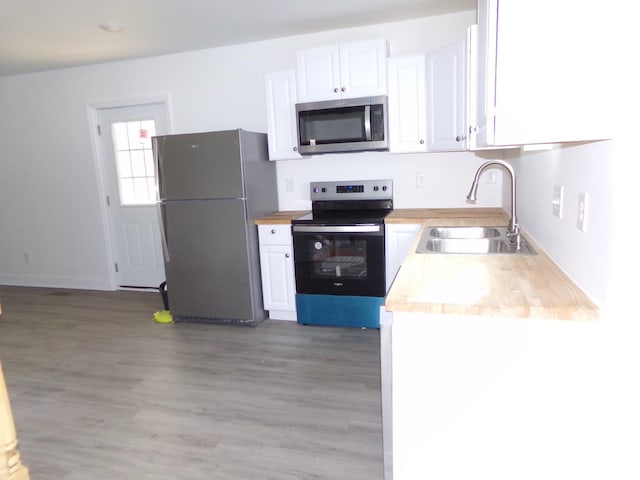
x: 37, y: 35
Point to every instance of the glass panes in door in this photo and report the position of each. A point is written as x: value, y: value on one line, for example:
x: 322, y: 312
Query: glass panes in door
x: 134, y: 161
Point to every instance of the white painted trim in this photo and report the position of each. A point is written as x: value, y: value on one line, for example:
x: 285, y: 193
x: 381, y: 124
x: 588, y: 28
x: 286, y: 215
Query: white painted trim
x: 92, y: 108
x: 55, y: 281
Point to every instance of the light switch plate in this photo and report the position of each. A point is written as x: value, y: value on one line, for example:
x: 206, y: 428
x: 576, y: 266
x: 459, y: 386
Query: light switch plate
x: 290, y: 184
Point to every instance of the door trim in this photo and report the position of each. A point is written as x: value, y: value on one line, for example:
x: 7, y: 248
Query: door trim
x: 93, y: 108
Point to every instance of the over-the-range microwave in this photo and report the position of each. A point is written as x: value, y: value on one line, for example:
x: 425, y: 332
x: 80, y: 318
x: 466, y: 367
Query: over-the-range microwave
x: 347, y: 125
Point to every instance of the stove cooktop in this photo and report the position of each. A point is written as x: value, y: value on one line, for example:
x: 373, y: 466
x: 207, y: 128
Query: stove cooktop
x: 349, y: 202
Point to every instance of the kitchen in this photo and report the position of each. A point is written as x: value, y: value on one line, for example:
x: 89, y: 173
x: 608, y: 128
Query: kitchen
x: 66, y: 237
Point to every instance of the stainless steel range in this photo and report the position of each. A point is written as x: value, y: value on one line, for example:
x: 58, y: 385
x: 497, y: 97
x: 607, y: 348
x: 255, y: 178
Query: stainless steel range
x: 339, y: 253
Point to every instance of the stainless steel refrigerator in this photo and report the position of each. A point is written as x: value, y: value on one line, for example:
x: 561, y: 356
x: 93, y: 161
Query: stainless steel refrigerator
x: 212, y: 187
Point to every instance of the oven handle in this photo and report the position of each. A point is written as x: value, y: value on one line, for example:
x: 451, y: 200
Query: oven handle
x: 336, y: 228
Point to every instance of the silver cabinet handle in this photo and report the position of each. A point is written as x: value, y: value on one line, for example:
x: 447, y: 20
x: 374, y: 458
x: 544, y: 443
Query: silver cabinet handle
x: 295, y: 149
x: 336, y: 90
x: 458, y: 138
x: 344, y: 89
x: 421, y: 142
x: 286, y: 255
x: 273, y: 231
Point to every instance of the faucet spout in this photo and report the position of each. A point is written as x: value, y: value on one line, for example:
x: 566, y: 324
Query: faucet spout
x: 513, y: 230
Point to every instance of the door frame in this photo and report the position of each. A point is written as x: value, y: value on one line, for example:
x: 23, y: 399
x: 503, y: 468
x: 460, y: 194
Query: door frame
x: 93, y: 109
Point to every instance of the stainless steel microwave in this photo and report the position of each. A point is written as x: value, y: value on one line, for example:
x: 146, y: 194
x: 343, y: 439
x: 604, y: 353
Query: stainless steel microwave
x: 348, y: 125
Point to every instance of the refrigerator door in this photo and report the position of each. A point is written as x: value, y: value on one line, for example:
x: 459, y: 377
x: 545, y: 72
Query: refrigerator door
x: 210, y: 272
x: 199, y: 165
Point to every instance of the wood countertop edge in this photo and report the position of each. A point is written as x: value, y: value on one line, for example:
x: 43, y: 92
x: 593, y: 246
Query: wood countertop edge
x: 282, y: 217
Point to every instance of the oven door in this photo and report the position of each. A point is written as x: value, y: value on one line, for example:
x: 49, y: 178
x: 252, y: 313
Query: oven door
x: 339, y: 259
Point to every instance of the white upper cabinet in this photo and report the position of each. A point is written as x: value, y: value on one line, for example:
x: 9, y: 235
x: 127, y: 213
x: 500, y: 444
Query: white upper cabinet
x: 542, y: 73
x: 407, y: 105
x: 280, y: 92
x: 447, y: 98
x: 347, y: 70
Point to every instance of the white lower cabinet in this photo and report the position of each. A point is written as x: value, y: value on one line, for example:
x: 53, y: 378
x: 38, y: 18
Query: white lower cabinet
x: 278, y: 277
x: 399, y: 239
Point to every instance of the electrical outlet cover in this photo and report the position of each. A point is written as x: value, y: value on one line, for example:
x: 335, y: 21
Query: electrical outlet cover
x: 583, y: 209
x: 558, y: 194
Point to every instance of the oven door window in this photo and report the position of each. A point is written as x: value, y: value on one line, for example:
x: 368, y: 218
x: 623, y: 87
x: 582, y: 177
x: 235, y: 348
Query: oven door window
x: 340, y: 264
x: 339, y: 258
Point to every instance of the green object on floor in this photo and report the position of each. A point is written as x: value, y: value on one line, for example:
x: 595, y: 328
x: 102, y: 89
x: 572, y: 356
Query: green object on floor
x: 163, y: 316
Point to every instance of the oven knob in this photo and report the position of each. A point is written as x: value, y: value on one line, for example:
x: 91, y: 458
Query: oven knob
x: 324, y: 189
x: 384, y: 188
x: 375, y: 188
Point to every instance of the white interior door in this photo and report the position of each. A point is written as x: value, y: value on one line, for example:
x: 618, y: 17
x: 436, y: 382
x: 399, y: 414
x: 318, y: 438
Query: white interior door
x: 130, y: 185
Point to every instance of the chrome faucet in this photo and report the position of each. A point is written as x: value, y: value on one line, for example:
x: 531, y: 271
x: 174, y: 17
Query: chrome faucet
x: 513, y: 230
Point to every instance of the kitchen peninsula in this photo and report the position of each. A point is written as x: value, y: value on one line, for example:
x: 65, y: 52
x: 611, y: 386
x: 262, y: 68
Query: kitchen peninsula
x: 476, y: 380
x: 11, y: 467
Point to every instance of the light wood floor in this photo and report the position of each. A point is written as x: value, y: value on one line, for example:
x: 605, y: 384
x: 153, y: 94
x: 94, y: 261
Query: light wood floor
x: 100, y: 391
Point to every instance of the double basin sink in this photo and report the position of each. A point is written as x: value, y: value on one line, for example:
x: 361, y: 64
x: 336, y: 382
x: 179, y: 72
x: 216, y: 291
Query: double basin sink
x: 471, y: 240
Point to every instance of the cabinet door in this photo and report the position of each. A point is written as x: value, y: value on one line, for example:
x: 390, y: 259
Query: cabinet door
x: 347, y: 70
x: 537, y: 73
x: 485, y: 79
x: 399, y: 238
x: 363, y: 68
x: 280, y: 91
x: 278, y: 283
x: 318, y: 73
x: 446, y: 98
x: 407, y: 104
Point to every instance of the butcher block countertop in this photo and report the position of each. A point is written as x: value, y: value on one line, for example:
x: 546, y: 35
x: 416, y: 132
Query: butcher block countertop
x: 519, y: 286
x: 283, y: 218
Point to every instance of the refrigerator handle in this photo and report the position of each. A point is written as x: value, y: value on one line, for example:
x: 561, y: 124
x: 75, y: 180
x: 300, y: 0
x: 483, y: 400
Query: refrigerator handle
x: 163, y: 231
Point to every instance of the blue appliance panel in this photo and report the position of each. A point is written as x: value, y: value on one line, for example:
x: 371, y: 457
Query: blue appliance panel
x: 339, y: 310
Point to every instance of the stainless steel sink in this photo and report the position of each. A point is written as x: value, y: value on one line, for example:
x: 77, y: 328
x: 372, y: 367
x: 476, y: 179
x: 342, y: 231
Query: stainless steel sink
x: 464, y: 232
x: 471, y: 240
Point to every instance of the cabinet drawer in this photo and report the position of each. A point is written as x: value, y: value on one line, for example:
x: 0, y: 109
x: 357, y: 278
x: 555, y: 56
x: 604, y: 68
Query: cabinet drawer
x: 275, y: 234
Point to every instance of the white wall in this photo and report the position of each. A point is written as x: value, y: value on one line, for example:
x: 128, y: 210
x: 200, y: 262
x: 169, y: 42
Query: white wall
x: 50, y: 206
x: 599, y: 259
x: 578, y: 168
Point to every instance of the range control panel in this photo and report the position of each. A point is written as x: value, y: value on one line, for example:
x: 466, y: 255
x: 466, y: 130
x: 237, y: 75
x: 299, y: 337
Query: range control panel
x: 352, y: 190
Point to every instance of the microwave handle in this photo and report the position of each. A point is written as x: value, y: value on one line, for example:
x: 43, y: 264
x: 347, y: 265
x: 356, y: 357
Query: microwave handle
x: 367, y: 122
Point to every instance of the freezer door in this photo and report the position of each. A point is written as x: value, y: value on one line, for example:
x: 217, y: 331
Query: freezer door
x: 210, y: 272
x: 199, y: 165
